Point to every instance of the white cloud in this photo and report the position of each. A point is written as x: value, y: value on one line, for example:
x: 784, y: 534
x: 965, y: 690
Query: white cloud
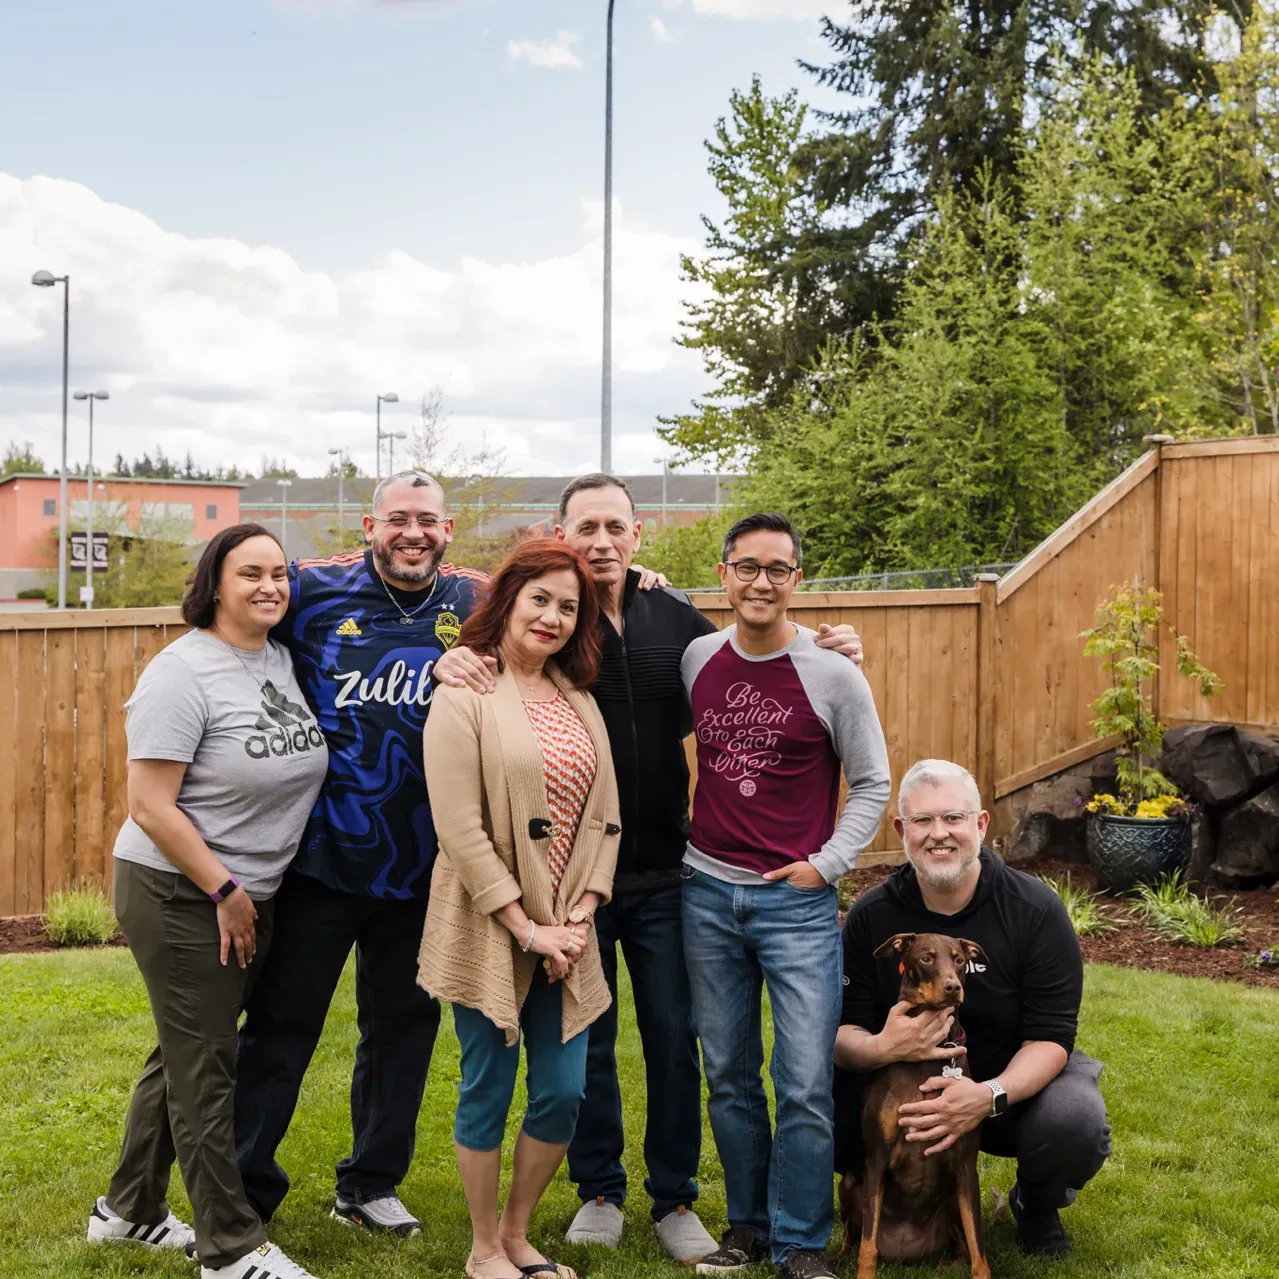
x: 555, y: 54
x: 761, y: 10
x: 661, y: 32
x: 232, y: 350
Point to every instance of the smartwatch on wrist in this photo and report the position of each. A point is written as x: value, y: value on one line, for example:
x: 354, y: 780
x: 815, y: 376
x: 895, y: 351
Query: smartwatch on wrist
x: 998, y: 1098
x: 221, y: 894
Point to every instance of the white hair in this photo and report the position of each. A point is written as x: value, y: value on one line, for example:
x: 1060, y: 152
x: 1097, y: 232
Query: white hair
x: 936, y: 772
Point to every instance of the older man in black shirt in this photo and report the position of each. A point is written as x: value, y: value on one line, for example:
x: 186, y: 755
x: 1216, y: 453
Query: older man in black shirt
x: 1037, y: 1093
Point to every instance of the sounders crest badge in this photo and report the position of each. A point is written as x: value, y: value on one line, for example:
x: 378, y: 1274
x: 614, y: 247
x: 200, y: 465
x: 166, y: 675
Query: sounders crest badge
x: 448, y: 627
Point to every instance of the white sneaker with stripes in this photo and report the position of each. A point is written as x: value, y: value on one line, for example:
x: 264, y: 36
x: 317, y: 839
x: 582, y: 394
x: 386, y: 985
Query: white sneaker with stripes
x: 266, y: 1262
x: 106, y: 1226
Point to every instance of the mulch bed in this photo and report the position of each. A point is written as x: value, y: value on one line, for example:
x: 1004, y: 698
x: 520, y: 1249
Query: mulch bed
x: 1133, y: 945
x: 25, y: 935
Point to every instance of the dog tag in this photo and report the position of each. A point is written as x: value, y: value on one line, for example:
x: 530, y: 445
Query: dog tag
x: 951, y: 1072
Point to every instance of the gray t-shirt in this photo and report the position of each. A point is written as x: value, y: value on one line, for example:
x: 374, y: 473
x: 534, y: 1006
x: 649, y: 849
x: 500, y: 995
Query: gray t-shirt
x: 255, y: 755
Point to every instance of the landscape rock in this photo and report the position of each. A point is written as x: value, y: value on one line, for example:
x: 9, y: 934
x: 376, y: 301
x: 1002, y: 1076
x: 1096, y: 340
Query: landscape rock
x: 1052, y: 820
x: 1248, y: 845
x: 1203, y: 847
x: 1218, y: 764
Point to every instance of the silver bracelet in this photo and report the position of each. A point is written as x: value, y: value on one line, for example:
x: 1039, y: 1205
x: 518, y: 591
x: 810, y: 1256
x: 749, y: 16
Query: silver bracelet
x: 532, y: 932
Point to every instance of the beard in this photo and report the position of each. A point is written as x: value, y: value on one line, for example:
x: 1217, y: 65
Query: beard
x: 423, y: 571
x: 943, y: 877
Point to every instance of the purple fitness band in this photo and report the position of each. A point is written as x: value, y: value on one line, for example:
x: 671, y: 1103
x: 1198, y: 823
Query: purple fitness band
x: 225, y: 891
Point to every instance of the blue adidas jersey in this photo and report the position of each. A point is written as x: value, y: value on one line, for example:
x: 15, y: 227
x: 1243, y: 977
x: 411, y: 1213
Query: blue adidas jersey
x: 367, y: 674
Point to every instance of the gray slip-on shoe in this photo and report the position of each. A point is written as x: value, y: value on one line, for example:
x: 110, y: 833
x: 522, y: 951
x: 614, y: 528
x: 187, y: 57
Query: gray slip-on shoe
x: 597, y: 1221
x: 684, y: 1237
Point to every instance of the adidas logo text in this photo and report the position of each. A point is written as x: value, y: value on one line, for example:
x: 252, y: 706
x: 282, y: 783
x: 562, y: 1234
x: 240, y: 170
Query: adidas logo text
x: 349, y: 628
x: 286, y: 730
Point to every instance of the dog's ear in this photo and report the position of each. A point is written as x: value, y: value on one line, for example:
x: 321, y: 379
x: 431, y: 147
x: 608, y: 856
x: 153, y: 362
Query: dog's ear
x: 973, y: 951
x: 895, y: 945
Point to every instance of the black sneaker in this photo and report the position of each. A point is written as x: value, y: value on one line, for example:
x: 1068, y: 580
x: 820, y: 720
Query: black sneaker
x: 801, y: 1263
x: 739, y: 1247
x: 1039, y: 1230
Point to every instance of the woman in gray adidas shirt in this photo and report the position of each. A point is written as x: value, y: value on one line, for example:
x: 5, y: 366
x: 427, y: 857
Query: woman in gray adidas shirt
x: 225, y: 762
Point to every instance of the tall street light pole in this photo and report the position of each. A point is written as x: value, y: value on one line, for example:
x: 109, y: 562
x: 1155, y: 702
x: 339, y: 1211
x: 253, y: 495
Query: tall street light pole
x: 46, y: 280
x: 666, y: 470
x: 341, y: 456
x: 87, y: 593
x: 389, y: 398
x: 285, y: 485
x: 606, y: 383
x: 391, y: 437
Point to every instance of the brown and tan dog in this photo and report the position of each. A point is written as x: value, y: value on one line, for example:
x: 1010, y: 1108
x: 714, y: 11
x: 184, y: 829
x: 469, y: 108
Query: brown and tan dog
x: 904, y: 1206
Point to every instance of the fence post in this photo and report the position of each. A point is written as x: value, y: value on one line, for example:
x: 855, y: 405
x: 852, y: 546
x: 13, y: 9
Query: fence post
x: 987, y: 619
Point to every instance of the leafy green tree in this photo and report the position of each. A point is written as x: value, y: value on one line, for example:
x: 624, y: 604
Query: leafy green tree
x: 20, y: 459
x: 148, y: 567
x: 757, y: 312
x: 1110, y: 206
x: 1239, y: 267
x: 688, y: 553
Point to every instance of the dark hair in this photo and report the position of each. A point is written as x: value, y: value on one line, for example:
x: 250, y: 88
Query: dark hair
x: 596, y: 480
x: 579, y: 659
x: 766, y: 521
x: 198, y: 603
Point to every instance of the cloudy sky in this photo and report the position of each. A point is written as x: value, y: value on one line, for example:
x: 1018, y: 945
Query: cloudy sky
x: 271, y: 210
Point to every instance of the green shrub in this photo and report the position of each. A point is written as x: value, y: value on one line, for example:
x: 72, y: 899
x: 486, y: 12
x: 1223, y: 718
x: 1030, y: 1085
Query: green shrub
x: 1177, y: 914
x: 32, y: 593
x: 1086, y: 915
x: 80, y: 916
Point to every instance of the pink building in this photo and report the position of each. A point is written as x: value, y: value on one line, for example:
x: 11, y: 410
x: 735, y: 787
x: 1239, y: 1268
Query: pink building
x: 29, y: 517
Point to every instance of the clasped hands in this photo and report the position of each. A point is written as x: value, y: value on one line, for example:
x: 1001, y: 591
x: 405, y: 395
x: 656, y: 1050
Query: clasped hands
x: 562, y: 945
x: 951, y: 1107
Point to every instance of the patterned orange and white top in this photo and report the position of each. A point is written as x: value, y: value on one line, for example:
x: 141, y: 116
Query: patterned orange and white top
x: 568, y: 760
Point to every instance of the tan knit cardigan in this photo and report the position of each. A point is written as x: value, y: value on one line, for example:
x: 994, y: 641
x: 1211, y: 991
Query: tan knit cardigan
x: 486, y: 782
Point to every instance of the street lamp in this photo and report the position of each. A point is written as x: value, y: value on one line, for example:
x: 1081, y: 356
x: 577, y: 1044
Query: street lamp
x: 606, y: 374
x: 46, y: 280
x: 392, y: 436
x: 666, y: 470
x: 389, y: 398
x: 285, y: 485
x: 341, y: 457
x: 87, y: 593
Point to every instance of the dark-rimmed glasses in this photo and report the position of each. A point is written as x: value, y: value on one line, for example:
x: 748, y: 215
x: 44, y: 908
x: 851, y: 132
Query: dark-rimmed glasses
x: 748, y: 571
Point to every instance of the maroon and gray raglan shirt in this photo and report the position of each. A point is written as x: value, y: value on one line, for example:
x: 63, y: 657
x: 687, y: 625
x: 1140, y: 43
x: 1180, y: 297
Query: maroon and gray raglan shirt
x: 772, y: 733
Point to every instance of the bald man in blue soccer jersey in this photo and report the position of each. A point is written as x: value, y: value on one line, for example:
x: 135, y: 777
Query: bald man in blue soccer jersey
x: 365, y: 629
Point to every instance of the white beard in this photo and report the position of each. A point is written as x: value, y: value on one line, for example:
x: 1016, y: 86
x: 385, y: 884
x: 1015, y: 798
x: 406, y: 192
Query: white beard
x: 943, y: 877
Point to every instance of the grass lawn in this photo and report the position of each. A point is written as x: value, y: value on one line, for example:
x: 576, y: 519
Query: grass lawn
x: 1191, y: 1191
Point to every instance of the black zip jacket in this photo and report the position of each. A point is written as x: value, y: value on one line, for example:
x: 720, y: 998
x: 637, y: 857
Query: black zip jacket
x: 641, y: 697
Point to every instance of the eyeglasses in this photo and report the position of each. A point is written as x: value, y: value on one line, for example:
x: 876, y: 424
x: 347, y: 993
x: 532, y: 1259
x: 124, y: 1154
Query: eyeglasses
x: 951, y: 821
x: 748, y: 571
x: 403, y: 521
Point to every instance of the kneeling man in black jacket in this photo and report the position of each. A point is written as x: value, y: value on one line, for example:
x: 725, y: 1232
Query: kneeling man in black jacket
x: 1036, y: 1091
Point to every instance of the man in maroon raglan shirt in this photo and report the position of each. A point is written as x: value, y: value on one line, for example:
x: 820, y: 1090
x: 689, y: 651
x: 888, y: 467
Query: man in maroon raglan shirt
x: 774, y: 718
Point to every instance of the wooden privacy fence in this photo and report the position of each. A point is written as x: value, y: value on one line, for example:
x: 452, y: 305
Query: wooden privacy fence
x: 992, y: 676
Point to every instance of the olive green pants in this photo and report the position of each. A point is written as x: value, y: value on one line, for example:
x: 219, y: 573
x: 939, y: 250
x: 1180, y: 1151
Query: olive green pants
x: 184, y: 1103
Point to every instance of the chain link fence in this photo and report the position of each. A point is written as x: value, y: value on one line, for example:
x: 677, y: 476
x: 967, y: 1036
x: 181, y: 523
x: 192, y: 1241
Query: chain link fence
x: 916, y: 579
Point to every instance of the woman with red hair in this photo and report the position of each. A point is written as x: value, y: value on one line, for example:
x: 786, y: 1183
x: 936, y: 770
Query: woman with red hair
x: 525, y: 807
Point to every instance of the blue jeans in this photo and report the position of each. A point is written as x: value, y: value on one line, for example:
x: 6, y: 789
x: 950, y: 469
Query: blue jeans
x: 556, y: 1073
x: 737, y: 939
x: 647, y: 927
